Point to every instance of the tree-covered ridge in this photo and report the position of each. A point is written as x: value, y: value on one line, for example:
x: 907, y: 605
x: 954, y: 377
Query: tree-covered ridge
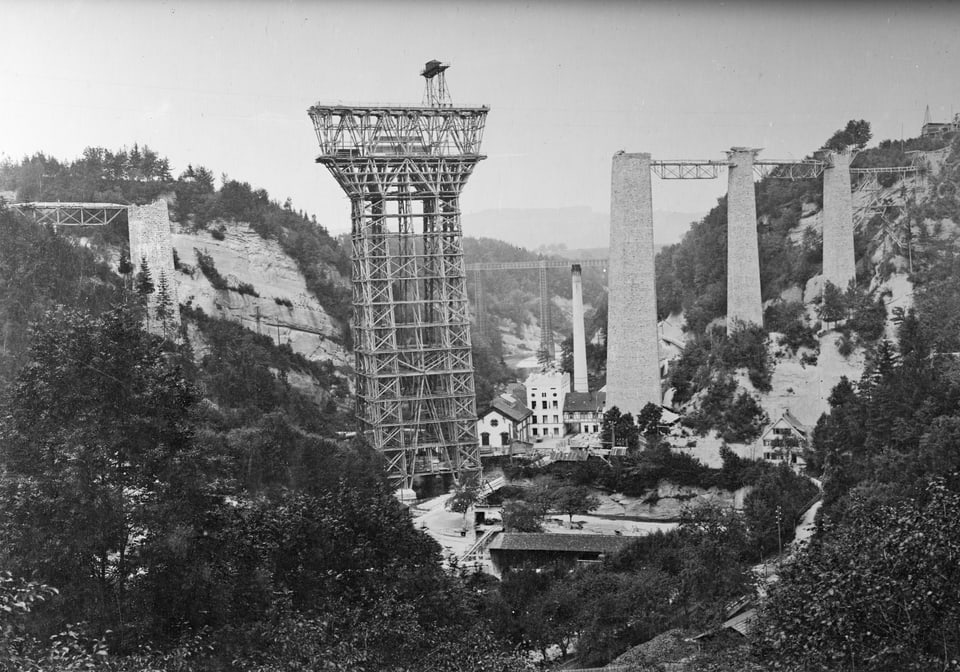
x: 139, y: 175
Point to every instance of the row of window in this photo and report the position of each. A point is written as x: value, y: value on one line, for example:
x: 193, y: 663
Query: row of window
x: 581, y: 415
x: 533, y: 404
x: 546, y: 431
x: 779, y: 457
x: 556, y: 419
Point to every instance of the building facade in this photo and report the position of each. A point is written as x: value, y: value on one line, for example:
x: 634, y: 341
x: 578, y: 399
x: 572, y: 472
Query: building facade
x: 583, y: 412
x: 784, y: 441
x: 546, y: 393
x: 504, y: 424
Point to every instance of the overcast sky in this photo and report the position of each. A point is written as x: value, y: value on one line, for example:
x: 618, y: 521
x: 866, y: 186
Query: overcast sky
x: 227, y: 85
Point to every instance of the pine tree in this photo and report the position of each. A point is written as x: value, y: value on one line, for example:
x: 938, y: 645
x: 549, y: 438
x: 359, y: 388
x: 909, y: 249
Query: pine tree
x: 164, y: 308
x: 144, y: 281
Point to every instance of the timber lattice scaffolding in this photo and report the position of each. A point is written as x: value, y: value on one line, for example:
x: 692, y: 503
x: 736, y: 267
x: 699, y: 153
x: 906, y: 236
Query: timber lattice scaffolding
x: 403, y: 169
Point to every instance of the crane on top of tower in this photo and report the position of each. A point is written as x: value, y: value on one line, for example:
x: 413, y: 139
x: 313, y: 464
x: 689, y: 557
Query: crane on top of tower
x: 435, y: 92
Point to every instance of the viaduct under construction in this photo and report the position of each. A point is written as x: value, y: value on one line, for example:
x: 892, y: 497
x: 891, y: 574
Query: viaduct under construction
x: 633, y: 376
x: 403, y: 168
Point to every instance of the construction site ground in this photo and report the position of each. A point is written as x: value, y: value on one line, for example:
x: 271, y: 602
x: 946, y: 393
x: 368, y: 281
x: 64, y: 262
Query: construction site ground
x: 456, y: 533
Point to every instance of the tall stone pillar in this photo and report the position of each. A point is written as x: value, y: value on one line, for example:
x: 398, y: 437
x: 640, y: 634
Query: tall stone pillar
x: 633, y: 367
x: 743, y: 256
x: 839, y: 261
x: 148, y: 227
x: 579, y: 336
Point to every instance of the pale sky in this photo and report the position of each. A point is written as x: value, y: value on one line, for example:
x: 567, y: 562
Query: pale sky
x: 227, y: 85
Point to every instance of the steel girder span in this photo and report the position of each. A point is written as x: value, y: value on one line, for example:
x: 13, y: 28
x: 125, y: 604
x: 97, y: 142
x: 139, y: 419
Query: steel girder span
x: 403, y: 169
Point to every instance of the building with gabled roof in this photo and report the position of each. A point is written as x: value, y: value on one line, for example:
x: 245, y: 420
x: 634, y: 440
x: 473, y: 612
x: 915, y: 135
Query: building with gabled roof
x: 784, y: 441
x: 503, y: 425
x: 513, y: 549
x: 583, y: 412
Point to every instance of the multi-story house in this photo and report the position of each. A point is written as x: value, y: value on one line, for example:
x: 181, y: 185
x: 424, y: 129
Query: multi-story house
x: 546, y: 393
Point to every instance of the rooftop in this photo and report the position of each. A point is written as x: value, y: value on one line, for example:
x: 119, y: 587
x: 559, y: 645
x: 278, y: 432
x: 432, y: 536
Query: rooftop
x: 509, y: 406
x: 584, y: 401
x: 540, y: 379
x: 570, y: 543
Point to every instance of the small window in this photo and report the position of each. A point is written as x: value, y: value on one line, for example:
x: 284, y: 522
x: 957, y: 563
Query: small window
x: 534, y: 421
x: 555, y: 403
x: 533, y: 405
x: 544, y: 394
x: 556, y: 431
x: 494, y: 422
x: 504, y: 438
x: 556, y: 418
x: 485, y: 439
x: 545, y: 421
x: 535, y: 430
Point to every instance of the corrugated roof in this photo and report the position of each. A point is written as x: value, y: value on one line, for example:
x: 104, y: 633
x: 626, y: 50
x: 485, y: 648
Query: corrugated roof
x: 571, y: 543
x: 579, y: 402
x: 510, y: 408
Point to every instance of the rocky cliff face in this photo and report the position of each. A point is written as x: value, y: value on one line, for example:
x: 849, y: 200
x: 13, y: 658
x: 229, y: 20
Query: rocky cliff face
x: 284, y: 310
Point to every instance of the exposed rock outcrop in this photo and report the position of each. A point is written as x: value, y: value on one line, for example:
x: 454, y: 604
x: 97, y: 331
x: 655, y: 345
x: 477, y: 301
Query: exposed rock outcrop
x: 245, y: 257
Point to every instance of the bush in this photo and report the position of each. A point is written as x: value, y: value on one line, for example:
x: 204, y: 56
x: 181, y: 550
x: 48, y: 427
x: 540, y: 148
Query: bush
x: 868, y: 317
x: 845, y: 345
x: 738, y: 419
x: 209, y: 269
x: 283, y: 302
x: 789, y: 319
x: 246, y: 288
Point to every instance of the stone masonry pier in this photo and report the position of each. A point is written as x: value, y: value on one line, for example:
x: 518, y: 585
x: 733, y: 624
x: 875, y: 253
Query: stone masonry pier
x: 151, y: 239
x: 743, y: 256
x: 633, y: 374
x: 839, y: 260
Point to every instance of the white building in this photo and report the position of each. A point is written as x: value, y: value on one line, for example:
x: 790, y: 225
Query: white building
x: 503, y: 425
x: 785, y: 441
x: 546, y: 392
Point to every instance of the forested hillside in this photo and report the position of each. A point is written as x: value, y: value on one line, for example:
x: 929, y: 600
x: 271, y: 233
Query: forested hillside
x: 883, y: 573
x: 876, y: 589
x: 163, y: 508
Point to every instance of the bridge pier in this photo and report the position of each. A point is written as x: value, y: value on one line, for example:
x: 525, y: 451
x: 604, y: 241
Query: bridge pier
x: 580, y: 383
x: 743, y: 257
x: 150, y: 238
x: 633, y: 373
x: 839, y: 260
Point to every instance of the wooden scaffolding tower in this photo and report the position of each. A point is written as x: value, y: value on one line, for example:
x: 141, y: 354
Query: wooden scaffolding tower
x: 403, y: 169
